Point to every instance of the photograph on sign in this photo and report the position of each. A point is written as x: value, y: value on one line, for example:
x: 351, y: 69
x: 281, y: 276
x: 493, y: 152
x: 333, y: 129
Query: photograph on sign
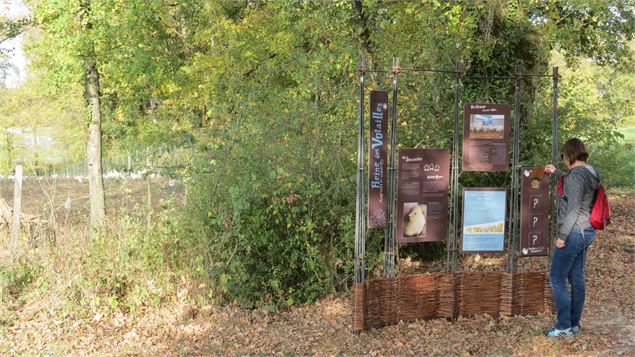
x: 484, y: 220
x: 377, y: 160
x: 487, y: 126
x: 534, y: 211
x: 414, y: 219
x: 486, y: 132
x: 422, y: 195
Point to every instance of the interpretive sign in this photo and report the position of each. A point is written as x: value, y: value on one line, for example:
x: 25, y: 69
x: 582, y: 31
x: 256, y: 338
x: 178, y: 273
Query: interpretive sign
x: 377, y: 160
x: 422, y: 195
x: 534, y: 211
x: 483, y: 220
x: 486, y: 132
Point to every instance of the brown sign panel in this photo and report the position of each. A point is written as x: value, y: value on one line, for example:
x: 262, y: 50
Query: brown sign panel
x: 534, y: 211
x: 486, y: 132
x: 377, y: 160
x: 422, y: 195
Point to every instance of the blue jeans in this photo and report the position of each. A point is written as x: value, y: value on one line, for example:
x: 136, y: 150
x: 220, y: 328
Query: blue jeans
x: 568, y: 264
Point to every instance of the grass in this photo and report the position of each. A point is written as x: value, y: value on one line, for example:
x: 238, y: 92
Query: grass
x: 629, y: 135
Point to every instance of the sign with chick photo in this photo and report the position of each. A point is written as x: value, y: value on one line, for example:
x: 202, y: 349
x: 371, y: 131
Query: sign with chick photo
x: 422, y: 195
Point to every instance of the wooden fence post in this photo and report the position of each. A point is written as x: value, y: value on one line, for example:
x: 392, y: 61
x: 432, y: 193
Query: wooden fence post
x: 17, y: 207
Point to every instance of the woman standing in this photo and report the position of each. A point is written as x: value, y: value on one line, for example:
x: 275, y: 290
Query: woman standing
x: 575, y: 235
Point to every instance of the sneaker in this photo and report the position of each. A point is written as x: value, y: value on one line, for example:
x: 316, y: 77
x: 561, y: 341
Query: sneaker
x: 554, y: 332
x: 575, y: 329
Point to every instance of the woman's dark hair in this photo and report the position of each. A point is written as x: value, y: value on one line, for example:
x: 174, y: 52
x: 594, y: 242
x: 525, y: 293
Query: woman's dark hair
x: 574, y: 149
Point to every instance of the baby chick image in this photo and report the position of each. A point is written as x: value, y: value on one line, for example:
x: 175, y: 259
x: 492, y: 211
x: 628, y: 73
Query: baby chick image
x: 415, y: 221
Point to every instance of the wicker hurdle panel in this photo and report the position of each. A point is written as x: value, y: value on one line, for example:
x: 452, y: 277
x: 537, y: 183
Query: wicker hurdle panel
x: 491, y: 294
x: 416, y: 297
x: 449, y: 288
x: 507, y: 290
x: 480, y: 293
x: 382, y: 302
x: 359, y: 307
x: 530, y: 291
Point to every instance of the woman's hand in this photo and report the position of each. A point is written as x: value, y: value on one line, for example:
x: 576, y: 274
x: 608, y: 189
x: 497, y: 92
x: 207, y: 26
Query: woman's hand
x: 549, y: 168
x: 560, y: 243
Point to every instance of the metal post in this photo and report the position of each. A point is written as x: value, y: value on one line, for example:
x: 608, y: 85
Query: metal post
x: 391, y: 226
x: 512, y: 248
x: 554, y: 155
x: 360, y: 226
x: 17, y: 209
x: 451, y: 244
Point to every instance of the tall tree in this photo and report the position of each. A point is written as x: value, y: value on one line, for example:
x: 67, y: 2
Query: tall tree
x: 94, y: 152
x: 66, y: 54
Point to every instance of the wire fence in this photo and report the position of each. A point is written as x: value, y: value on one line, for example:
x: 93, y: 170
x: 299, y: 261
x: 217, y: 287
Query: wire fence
x: 162, y: 160
x: 60, y: 200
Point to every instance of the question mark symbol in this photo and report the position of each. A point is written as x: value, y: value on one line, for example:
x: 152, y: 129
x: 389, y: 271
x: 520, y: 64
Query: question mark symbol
x: 535, y: 202
x: 535, y: 219
x: 534, y: 240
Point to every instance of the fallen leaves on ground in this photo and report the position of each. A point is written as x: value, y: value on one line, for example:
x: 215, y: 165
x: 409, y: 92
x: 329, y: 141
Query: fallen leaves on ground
x: 324, y: 328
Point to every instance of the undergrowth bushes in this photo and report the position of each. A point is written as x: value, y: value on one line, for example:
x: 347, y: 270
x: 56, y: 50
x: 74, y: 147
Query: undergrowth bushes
x: 14, y: 279
x: 277, y: 240
x: 120, y: 269
x: 271, y: 242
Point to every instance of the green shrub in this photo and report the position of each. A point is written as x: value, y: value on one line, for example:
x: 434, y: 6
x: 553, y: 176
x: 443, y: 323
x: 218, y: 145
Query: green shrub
x: 280, y: 241
x: 16, y: 277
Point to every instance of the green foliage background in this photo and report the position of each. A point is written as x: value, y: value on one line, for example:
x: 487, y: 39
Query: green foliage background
x: 265, y: 95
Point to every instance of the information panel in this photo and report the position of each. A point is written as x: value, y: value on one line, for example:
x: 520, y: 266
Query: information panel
x: 377, y: 160
x: 483, y: 220
x: 534, y: 211
x: 486, y: 132
x: 422, y: 196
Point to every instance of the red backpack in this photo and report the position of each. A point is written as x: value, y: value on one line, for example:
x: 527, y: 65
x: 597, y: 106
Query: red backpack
x: 600, y: 215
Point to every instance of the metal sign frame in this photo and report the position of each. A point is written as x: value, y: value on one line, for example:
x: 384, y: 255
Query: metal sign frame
x: 452, y: 240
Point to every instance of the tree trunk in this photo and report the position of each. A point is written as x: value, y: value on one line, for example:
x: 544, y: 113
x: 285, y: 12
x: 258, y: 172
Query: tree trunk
x: 95, y: 178
x: 93, y: 157
x: 364, y: 28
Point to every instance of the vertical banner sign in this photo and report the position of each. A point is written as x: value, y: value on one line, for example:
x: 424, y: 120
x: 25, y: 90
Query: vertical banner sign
x: 377, y: 160
x: 422, y: 195
x: 486, y: 132
x: 484, y: 220
x: 534, y: 211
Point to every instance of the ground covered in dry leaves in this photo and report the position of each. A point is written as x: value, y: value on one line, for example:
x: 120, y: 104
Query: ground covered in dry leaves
x: 324, y: 328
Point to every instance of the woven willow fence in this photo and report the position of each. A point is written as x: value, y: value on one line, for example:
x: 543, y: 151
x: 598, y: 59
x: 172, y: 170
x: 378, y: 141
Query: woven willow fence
x: 382, y: 302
